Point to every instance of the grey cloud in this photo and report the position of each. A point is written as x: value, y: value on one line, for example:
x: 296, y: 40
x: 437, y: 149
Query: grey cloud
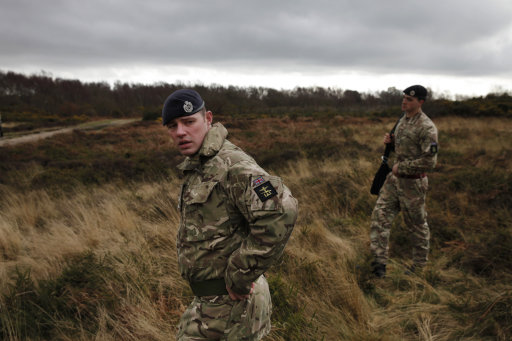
x: 448, y: 37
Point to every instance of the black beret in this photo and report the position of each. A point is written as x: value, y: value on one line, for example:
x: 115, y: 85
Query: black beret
x: 184, y: 102
x: 417, y: 91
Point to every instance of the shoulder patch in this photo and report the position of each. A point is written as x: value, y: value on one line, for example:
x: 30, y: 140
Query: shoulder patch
x: 265, y: 191
x: 433, y: 148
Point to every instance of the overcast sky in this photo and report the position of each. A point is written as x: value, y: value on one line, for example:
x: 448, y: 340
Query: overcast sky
x: 452, y: 46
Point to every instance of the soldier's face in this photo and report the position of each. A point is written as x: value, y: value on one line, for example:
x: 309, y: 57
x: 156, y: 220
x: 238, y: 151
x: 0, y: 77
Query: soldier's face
x: 411, y: 104
x: 188, y: 132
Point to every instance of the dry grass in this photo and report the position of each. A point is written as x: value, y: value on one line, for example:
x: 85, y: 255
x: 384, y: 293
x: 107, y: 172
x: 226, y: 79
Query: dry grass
x: 321, y: 287
x: 40, y: 233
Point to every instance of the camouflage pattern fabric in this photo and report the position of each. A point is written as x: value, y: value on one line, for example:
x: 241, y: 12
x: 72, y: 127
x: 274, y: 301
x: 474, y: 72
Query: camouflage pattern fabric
x: 221, y: 318
x: 416, y: 144
x: 416, y: 153
x: 235, y: 219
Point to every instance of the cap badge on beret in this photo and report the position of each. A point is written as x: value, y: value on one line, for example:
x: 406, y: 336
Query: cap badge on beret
x: 183, y: 102
x: 188, y: 107
x: 416, y: 91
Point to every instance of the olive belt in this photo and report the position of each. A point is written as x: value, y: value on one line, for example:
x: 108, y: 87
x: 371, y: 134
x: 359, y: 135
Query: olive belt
x: 210, y: 287
x: 414, y: 176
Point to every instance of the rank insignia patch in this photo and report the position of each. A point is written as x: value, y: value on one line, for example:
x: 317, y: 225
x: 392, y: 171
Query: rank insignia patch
x: 433, y: 148
x: 258, y: 181
x: 265, y: 191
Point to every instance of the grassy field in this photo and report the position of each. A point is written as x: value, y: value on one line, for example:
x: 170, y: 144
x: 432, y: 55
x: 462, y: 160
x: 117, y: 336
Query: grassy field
x: 88, y: 224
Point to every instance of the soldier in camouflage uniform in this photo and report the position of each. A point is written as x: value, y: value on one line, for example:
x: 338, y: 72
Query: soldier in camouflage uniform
x: 235, y: 222
x: 405, y: 188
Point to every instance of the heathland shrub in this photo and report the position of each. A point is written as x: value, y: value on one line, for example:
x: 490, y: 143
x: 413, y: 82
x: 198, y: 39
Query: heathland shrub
x: 124, y: 205
x: 491, y: 253
x: 69, y: 302
x: 288, y: 315
x: 151, y: 115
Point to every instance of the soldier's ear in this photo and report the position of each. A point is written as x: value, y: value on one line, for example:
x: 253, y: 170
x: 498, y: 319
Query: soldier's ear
x: 209, y: 118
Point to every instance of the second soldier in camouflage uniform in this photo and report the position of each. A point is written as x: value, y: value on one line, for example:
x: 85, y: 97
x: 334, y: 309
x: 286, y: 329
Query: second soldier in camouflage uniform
x: 405, y: 188
x: 235, y: 222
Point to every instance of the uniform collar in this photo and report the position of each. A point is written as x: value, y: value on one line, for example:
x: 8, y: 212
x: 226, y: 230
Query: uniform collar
x: 413, y: 119
x: 212, y: 143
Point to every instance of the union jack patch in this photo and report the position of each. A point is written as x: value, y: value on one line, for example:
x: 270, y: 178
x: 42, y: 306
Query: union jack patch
x: 258, y: 181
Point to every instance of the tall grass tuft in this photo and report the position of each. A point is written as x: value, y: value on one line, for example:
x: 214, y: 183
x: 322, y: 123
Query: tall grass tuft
x: 95, y: 258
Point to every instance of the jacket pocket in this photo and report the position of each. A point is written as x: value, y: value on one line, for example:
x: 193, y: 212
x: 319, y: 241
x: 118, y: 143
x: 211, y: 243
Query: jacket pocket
x: 198, y: 194
x: 204, y: 213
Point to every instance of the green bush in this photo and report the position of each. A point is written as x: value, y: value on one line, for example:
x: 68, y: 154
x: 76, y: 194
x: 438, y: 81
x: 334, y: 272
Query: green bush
x: 151, y: 115
x: 70, y: 302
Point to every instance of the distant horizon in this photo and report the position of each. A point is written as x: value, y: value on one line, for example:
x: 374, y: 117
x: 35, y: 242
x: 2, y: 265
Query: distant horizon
x: 149, y: 79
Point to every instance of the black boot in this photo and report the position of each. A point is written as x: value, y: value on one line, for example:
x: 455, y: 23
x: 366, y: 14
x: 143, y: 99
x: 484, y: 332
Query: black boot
x: 378, y: 269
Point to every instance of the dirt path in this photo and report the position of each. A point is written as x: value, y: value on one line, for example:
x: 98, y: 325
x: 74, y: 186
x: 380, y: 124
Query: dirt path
x: 45, y: 134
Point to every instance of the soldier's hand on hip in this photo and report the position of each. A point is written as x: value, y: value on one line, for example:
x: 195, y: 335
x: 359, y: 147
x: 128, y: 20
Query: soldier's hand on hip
x: 239, y: 297
x: 395, y: 169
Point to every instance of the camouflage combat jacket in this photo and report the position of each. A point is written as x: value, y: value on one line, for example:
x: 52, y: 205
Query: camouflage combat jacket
x: 415, y: 144
x: 235, y: 217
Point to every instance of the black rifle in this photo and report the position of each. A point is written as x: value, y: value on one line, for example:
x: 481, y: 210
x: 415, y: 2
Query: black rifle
x: 384, y: 169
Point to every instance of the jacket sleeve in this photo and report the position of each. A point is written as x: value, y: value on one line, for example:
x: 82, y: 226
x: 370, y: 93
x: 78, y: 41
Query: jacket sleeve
x: 270, y: 211
x: 427, y: 159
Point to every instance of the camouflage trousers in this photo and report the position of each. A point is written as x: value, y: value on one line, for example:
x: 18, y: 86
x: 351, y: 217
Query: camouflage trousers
x: 406, y: 195
x: 221, y: 318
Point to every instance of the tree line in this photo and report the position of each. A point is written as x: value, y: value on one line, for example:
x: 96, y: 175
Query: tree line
x: 40, y: 97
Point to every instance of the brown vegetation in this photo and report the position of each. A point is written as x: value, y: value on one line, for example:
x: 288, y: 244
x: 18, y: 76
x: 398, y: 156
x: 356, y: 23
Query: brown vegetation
x: 88, y: 224
x: 40, y: 100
